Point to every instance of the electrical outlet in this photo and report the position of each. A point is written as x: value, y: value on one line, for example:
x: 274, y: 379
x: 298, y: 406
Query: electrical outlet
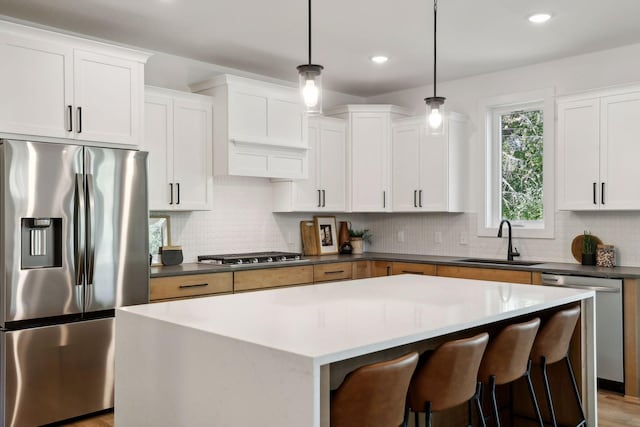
x: 437, y: 237
x: 464, y: 240
x: 400, y: 236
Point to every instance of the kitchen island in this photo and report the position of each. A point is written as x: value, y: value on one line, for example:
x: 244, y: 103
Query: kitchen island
x: 270, y: 358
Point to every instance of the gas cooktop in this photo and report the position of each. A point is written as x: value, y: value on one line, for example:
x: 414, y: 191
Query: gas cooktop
x: 252, y: 258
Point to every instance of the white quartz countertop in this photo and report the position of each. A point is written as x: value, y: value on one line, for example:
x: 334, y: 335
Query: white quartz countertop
x: 334, y: 321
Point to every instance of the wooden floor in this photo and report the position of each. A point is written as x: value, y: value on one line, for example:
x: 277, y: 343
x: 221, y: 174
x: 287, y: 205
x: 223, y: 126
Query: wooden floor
x: 613, y: 411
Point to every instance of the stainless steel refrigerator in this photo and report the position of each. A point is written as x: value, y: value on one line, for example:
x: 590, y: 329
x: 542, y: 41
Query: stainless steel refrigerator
x: 73, y: 246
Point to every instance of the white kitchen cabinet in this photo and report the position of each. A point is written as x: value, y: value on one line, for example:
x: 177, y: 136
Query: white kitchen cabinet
x: 428, y: 172
x: 598, y: 151
x: 369, y: 154
x: 59, y: 86
x: 260, y: 128
x: 178, y: 137
x: 325, y: 189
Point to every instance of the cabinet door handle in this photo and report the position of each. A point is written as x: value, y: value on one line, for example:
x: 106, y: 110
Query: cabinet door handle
x: 412, y: 272
x: 602, y: 194
x: 334, y: 272
x: 595, y: 202
x: 324, y: 198
x: 79, y: 130
x: 178, y: 187
x: 388, y: 270
x: 70, y: 111
x: 319, y: 198
x: 415, y: 198
x: 171, y: 193
x: 420, y: 198
x: 199, y: 285
x: 384, y: 199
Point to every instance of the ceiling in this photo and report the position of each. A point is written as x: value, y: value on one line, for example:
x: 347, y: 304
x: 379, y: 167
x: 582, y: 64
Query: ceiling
x: 268, y: 37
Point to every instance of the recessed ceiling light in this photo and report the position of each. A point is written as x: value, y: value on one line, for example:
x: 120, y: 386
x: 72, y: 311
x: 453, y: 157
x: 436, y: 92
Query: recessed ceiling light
x: 539, y: 18
x: 379, y: 59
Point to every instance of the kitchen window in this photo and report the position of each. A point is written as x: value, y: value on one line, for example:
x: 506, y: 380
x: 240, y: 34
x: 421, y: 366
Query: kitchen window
x: 518, y: 169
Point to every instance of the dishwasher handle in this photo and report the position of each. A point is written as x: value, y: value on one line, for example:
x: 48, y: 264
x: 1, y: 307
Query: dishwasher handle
x: 548, y: 282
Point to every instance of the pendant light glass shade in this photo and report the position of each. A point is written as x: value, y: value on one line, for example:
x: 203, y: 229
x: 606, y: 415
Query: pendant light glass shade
x: 436, y: 115
x: 310, y: 76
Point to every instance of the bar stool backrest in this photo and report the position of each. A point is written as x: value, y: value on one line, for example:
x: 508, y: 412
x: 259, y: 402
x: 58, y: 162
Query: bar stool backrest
x: 507, y: 355
x: 374, y: 395
x: 552, y: 342
x: 449, y: 376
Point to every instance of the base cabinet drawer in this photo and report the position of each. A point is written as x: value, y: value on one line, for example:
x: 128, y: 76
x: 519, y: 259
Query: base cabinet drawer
x: 413, y: 268
x: 272, y: 277
x: 496, y: 275
x: 333, y: 271
x: 163, y: 288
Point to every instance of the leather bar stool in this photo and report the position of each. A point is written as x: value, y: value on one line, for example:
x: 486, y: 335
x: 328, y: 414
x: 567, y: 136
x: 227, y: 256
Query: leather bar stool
x: 551, y: 346
x: 507, y: 359
x: 448, y: 378
x: 374, y: 395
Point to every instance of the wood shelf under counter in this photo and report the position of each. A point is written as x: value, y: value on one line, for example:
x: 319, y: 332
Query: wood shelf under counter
x: 192, y: 285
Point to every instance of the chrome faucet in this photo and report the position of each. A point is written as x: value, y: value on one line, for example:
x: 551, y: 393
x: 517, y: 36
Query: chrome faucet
x: 510, y: 252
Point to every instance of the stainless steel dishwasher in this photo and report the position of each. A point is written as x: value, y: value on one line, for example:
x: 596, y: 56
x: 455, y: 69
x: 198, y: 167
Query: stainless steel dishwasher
x: 609, y: 326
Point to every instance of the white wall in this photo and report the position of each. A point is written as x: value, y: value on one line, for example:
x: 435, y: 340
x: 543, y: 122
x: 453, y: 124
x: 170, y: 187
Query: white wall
x: 242, y: 218
x: 581, y: 73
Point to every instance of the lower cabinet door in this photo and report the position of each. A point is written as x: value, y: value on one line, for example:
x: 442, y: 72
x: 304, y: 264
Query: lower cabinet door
x: 272, y: 277
x: 57, y: 372
x: 413, y: 268
x: 192, y: 285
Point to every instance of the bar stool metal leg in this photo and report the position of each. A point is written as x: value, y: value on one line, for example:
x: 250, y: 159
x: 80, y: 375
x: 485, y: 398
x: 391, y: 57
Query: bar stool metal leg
x: 494, y: 402
x: 533, y: 395
x: 576, y: 392
x: 427, y: 414
x: 478, y: 400
x: 547, y: 391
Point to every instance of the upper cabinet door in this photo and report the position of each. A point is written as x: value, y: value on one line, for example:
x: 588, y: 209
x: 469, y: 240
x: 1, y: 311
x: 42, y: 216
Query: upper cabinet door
x: 370, y: 161
x: 579, y: 154
x: 192, y: 155
x: 435, y: 167
x: 107, y: 96
x: 35, y: 86
x: 619, y: 152
x: 307, y: 196
x: 406, y: 167
x: 332, y: 165
x: 158, y: 141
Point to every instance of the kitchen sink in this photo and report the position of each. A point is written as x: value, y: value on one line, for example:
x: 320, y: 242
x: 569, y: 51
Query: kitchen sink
x: 498, y: 261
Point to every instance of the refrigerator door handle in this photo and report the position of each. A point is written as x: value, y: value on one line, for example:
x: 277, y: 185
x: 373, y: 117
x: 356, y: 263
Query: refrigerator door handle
x: 79, y: 227
x: 91, y: 232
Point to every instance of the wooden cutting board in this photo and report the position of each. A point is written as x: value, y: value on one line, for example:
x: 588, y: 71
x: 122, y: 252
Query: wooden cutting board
x: 309, y: 238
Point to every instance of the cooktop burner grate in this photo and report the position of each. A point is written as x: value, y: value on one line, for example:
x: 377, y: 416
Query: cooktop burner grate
x: 251, y: 258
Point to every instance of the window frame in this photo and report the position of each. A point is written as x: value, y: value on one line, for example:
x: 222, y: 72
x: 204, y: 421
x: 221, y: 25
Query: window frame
x: 489, y: 214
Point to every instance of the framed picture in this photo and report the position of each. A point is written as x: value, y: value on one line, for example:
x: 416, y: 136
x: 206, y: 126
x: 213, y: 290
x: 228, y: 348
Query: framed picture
x: 159, y: 235
x: 327, y: 235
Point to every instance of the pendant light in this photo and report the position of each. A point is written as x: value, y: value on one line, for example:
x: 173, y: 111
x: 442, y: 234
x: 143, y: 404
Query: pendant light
x: 435, y: 104
x: 311, y: 81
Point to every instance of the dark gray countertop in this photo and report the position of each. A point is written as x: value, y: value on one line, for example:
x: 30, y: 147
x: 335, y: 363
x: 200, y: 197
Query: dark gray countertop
x: 546, y: 267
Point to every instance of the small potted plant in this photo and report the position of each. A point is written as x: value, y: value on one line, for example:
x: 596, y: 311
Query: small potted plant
x: 588, y: 249
x: 356, y: 239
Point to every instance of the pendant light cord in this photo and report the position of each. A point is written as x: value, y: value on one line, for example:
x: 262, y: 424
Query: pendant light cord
x: 309, y: 32
x: 435, y: 56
